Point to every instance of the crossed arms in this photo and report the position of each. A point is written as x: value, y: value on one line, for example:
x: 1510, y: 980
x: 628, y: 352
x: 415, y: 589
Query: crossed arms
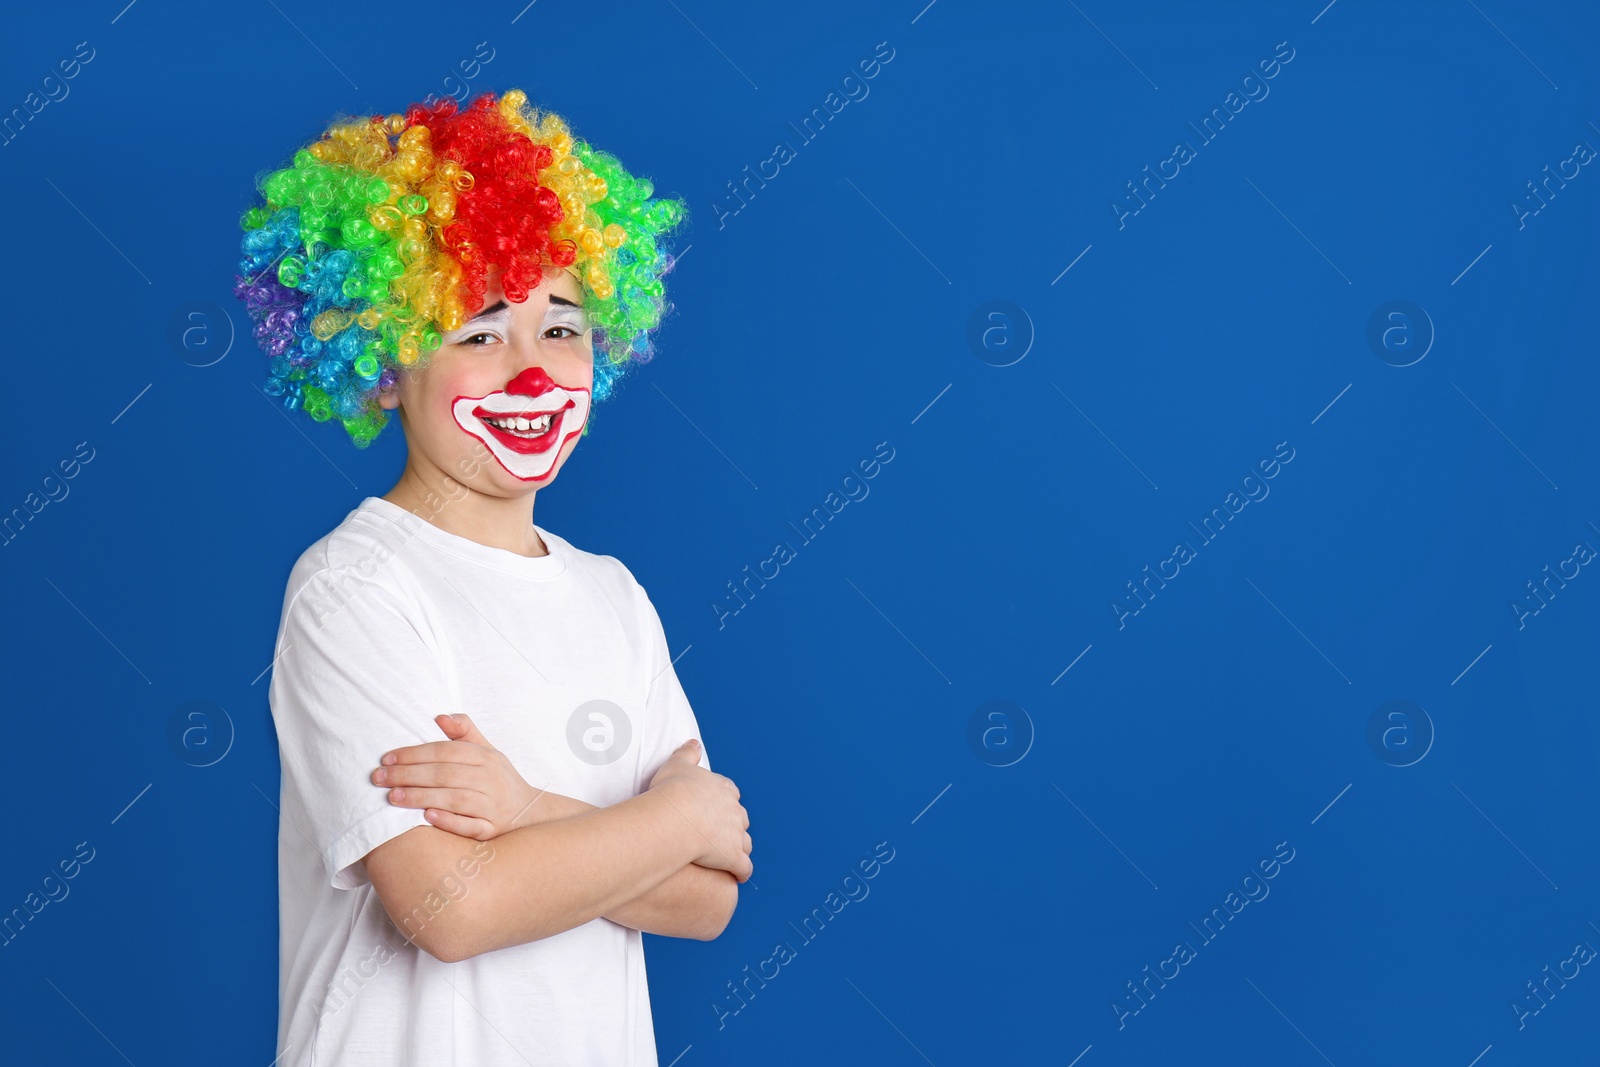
x: 668, y: 861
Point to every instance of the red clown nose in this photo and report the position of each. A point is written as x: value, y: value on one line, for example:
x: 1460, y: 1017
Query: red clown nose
x: 533, y: 382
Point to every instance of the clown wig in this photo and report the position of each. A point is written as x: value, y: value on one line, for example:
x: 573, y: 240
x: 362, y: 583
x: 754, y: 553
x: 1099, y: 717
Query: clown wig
x: 380, y: 237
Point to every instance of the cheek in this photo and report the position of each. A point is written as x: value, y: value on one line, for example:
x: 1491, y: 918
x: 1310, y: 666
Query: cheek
x: 446, y: 385
x: 574, y: 369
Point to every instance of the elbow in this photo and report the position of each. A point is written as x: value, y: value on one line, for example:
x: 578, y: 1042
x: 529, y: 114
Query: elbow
x: 449, y: 946
x: 445, y: 938
x: 437, y: 912
x: 442, y: 952
x: 454, y: 954
x: 464, y: 929
x: 719, y: 917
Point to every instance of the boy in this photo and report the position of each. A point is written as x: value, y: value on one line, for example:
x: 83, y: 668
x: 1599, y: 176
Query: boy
x: 457, y: 901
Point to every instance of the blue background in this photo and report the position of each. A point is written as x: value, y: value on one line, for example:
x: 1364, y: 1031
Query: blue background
x: 834, y: 311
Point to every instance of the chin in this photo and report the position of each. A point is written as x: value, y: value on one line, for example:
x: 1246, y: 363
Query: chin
x: 516, y: 485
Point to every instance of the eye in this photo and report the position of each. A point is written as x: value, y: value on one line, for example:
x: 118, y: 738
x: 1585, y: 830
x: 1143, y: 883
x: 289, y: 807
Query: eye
x: 469, y: 338
x: 571, y: 333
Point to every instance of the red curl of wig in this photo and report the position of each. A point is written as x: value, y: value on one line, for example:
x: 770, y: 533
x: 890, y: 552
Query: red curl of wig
x: 505, y: 218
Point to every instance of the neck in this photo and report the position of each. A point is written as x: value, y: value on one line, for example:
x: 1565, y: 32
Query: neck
x: 458, y: 508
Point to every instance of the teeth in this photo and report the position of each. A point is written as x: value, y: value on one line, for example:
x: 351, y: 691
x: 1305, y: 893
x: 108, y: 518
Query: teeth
x: 520, y: 424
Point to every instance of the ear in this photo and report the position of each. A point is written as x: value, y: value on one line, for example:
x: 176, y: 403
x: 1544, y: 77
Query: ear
x: 389, y: 398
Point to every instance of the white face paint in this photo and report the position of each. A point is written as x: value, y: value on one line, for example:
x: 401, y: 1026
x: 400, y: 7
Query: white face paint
x: 526, y: 424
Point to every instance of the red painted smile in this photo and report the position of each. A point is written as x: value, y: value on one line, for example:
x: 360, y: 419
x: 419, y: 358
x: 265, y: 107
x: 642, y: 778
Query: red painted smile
x: 526, y: 424
x: 522, y: 433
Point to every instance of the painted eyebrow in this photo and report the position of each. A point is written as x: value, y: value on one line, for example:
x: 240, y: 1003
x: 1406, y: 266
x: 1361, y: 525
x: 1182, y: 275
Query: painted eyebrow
x: 499, y: 307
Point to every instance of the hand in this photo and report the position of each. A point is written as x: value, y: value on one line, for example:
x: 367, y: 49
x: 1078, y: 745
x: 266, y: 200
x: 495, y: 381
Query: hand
x: 710, y: 802
x: 465, y: 785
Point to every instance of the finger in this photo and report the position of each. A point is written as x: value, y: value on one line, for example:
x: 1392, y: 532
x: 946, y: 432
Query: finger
x: 450, y: 726
x: 449, y: 775
x: 461, y: 826
x: 689, y: 751
x: 457, y: 801
x: 470, y: 731
x: 439, y: 752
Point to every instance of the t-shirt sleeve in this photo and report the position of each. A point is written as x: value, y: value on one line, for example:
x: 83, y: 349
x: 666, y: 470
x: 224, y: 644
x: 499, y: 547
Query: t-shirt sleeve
x: 669, y: 720
x: 355, y: 677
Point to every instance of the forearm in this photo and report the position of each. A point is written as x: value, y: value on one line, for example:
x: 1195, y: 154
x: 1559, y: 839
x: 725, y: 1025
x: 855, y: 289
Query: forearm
x: 694, y: 901
x: 552, y: 876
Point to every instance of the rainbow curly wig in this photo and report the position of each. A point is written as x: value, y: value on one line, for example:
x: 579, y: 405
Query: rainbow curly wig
x: 380, y: 237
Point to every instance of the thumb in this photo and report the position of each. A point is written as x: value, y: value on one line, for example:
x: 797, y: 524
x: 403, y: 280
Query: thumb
x: 689, y: 750
x: 460, y: 727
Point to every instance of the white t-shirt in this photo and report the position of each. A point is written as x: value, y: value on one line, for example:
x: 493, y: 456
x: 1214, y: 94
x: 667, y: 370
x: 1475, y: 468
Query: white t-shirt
x: 561, y: 662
